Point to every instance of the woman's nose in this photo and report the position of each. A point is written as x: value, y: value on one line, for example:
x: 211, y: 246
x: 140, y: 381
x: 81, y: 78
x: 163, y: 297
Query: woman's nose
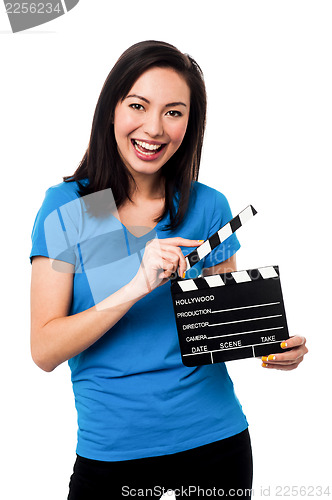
x: 153, y: 125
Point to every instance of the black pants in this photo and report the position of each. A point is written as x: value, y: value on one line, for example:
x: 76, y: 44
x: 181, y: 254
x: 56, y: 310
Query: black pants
x: 220, y: 469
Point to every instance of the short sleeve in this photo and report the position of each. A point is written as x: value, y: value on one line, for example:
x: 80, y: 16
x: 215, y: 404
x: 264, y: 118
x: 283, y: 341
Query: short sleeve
x: 54, y: 232
x: 221, y: 215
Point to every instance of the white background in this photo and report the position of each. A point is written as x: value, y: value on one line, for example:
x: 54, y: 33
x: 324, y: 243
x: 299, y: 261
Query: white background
x: 267, y: 66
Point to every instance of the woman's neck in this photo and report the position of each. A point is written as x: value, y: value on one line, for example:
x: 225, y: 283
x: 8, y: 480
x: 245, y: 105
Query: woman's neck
x: 147, y: 187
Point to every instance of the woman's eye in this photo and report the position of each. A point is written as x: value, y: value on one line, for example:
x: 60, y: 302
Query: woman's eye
x: 139, y: 107
x: 174, y: 113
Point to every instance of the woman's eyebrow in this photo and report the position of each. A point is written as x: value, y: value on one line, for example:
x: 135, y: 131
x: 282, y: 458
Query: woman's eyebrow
x: 177, y: 103
x: 139, y: 97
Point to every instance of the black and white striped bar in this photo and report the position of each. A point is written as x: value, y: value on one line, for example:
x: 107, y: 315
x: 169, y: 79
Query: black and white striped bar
x: 230, y: 316
x: 211, y: 243
x: 226, y: 279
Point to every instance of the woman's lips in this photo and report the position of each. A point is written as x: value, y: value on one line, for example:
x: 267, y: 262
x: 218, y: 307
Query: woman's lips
x: 147, y: 150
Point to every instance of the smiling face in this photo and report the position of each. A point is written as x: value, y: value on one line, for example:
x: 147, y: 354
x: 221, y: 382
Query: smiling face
x: 151, y: 121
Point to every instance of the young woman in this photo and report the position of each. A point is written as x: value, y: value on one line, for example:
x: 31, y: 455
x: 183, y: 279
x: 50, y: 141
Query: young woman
x: 104, y: 246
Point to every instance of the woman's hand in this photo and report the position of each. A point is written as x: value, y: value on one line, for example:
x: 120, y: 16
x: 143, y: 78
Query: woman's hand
x: 290, y: 359
x: 162, y: 258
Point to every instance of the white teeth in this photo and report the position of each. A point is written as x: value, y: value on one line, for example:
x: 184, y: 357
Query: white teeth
x: 143, y: 152
x: 150, y: 147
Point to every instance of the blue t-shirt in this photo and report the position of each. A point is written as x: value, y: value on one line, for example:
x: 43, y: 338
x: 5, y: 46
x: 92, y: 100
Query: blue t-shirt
x: 134, y: 397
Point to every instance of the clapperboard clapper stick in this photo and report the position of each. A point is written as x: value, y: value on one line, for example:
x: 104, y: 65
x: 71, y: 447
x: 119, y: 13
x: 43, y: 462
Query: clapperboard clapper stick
x: 232, y: 315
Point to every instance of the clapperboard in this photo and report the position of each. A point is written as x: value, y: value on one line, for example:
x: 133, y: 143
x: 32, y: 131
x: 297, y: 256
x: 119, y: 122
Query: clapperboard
x: 228, y: 316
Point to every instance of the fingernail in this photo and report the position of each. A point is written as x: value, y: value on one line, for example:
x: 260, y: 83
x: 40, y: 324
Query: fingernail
x: 264, y: 365
x: 268, y: 358
x: 183, y: 275
x: 283, y: 345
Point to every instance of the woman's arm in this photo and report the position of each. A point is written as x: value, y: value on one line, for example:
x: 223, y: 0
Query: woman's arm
x: 57, y: 337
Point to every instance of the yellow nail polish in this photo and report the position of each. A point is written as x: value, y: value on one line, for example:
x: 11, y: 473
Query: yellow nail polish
x: 183, y: 275
x: 264, y: 358
x: 200, y: 241
x: 283, y: 345
x: 271, y: 357
x: 264, y: 365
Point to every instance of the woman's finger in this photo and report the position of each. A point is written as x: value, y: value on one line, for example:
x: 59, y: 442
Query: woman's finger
x: 285, y: 367
x: 285, y: 358
x: 181, y: 242
x: 294, y: 341
x: 179, y: 258
x: 290, y: 355
x: 175, y: 243
x: 172, y: 245
x: 166, y: 254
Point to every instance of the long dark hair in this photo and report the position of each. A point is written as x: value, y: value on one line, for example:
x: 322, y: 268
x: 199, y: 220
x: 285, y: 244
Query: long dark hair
x: 101, y: 163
